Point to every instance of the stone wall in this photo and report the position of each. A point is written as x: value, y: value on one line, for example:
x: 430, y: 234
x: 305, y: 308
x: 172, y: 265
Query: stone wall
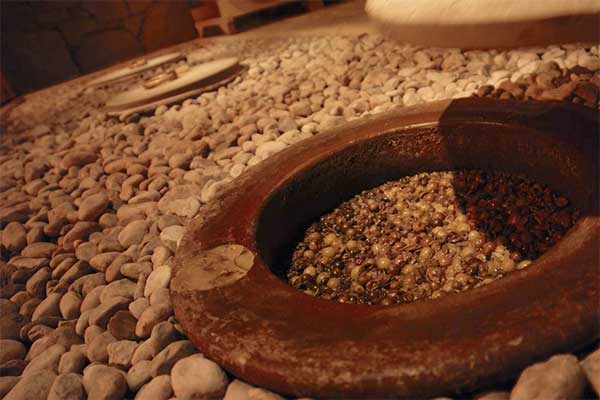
x: 46, y: 42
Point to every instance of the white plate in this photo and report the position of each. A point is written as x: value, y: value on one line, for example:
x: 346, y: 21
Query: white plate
x: 197, y: 77
x: 136, y: 68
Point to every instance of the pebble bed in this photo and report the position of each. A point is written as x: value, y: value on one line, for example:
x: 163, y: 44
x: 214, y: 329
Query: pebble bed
x: 92, y: 208
x: 428, y: 235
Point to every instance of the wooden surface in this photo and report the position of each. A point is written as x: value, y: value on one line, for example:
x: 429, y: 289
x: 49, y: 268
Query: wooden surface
x: 234, y: 8
x: 229, y: 10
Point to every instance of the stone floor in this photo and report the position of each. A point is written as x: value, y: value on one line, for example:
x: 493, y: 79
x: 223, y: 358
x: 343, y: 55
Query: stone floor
x: 92, y: 208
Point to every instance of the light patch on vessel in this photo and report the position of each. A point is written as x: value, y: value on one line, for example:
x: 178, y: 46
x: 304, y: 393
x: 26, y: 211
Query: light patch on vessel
x: 240, y: 357
x: 217, y: 267
x: 516, y: 342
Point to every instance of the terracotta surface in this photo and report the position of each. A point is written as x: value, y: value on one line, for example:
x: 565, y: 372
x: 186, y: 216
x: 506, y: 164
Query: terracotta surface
x: 270, y: 334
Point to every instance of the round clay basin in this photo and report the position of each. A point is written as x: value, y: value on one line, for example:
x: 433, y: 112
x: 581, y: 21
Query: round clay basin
x: 228, y: 297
